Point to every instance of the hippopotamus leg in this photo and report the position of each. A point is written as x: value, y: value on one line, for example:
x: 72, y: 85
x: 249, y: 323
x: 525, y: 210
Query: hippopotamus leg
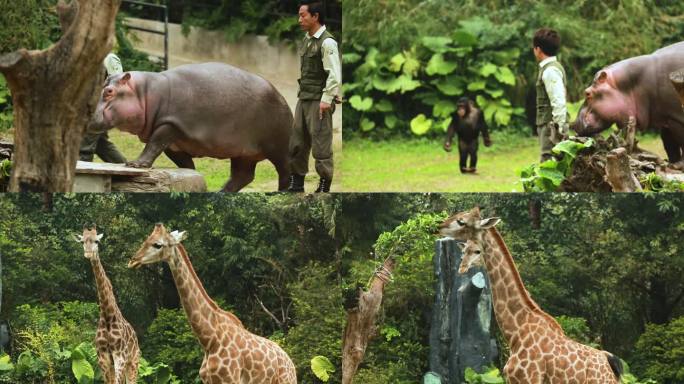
x: 180, y: 158
x: 672, y: 147
x: 162, y: 137
x: 241, y: 173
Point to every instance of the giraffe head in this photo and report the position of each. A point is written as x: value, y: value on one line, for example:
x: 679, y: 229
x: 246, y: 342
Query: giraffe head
x: 90, y: 240
x: 157, y: 247
x: 472, y: 255
x: 466, y: 225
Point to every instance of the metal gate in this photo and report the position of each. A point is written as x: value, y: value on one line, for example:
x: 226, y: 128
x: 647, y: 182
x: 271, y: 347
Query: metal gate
x: 164, y: 13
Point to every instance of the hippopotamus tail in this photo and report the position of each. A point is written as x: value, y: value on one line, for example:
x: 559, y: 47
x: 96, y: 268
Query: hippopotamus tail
x: 615, y: 365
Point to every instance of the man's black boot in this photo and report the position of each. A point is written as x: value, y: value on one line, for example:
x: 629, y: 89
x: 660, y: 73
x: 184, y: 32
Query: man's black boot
x: 324, y: 185
x: 296, y: 183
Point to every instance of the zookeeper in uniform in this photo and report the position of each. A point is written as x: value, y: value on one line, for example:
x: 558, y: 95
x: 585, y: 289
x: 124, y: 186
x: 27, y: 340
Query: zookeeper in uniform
x: 96, y: 139
x: 319, y: 86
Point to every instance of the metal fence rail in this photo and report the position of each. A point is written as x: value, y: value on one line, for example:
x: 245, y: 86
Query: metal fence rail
x: 165, y: 14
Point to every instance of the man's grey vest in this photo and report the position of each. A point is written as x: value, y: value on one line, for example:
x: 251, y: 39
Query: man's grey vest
x: 314, y: 77
x: 544, y: 108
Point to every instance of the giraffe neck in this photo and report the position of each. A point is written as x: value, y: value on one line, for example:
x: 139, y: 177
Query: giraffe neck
x: 512, y: 302
x: 201, y: 310
x: 105, y: 294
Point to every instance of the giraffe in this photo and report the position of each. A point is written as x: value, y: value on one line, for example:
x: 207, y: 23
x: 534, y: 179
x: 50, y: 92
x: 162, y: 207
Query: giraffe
x: 540, y: 350
x: 115, y: 339
x: 232, y: 354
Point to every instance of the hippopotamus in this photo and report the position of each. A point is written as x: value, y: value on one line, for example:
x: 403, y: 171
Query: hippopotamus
x: 202, y: 110
x: 636, y: 93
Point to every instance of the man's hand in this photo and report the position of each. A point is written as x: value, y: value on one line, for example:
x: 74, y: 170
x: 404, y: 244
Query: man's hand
x: 323, y: 108
x: 447, y: 146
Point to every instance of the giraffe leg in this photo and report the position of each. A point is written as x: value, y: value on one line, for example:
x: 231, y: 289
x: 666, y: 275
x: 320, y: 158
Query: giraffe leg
x: 119, y: 368
x: 105, y: 361
x: 132, y: 368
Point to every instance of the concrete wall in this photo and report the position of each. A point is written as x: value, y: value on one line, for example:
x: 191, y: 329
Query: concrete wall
x: 278, y: 63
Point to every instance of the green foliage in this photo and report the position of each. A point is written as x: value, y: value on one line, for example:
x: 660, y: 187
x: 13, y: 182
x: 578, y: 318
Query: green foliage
x: 322, y: 367
x: 577, y: 329
x: 6, y: 114
x: 659, y: 353
x: 31, y: 24
x: 548, y: 176
x: 418, y: 83
x: 654, y: 183
x: 158, y: 373
x: 490, y: 376
x: 170, y: 339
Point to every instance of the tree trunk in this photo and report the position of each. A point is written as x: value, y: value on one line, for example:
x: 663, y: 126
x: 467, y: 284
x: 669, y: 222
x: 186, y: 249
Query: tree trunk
x: 52, y: 93
x: 360, y: 328
x: 677, y: 79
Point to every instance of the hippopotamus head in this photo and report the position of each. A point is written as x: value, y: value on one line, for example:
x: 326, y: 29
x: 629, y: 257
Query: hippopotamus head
x: 120, y: 104
x: 604, y: 104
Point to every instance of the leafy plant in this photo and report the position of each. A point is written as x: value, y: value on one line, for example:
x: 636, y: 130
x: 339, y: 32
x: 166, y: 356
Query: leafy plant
x: 659, y: 352
x: 548, y: 176
x: 654, y: 183
x: 491, y: 376
x: 419, y: 84
x: 322, y: 367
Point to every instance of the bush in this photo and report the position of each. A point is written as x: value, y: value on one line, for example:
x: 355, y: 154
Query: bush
x: 659, y: 352
x: 169, y: 339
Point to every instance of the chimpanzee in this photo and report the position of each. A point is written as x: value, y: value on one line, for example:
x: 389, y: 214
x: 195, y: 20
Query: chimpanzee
x: 467, y: 123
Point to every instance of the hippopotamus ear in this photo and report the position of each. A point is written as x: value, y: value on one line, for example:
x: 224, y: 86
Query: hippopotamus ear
x: 125, y: 78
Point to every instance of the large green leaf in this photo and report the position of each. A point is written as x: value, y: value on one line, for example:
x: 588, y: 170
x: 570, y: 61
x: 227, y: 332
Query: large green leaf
x: 362, y: 104
x: 505, y: 76
x: 571, y: 148
x: 83, y: 371
x: 438, y: 44
x: 350, y: 58
x: 396, y: 62
x: 444, y: 108
x: 382, y: 83
x: 477, y: 85
x: 5, y: 363
x: 495, y: 93
x: 420, y: 124
x: 391, y: 121
x: 322, y: 367
x: 450, y: 86
x: 367, y: 124
x: 412, y: 65
x: 503, y: 115
x: 464, y: 38
x: 549, y: 170
x: 384, y: 105
x: 439, y: 66
x: 488, y: 69
x: 444, y: 124
x: 403, y: 83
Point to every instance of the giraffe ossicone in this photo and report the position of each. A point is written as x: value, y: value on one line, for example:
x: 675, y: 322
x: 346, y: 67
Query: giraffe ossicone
x: 232, y: 354
x: 540, y: 351
x: 115, y: 339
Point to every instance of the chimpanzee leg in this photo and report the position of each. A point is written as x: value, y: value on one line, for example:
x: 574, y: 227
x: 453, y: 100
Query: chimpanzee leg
x: 473, y: 155
x: 463, y: 155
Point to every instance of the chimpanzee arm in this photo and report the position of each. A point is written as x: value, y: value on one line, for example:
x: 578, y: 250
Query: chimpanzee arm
x: 451, y: 131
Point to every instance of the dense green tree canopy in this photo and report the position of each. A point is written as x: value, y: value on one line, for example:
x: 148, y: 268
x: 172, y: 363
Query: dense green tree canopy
x: 611, y: 264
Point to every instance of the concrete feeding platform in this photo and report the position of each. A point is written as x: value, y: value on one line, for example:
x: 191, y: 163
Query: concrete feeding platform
x: 108, y: 177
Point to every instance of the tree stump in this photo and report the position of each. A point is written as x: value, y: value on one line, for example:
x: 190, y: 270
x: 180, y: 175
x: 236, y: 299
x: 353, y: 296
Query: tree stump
x: 360, y: 328
x: 677, y: 79
x: 619, y: 173
x: 52, y: 90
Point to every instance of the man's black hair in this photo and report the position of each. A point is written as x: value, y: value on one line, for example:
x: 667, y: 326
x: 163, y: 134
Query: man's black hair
x: 547, y: 40
x: 315, y: 7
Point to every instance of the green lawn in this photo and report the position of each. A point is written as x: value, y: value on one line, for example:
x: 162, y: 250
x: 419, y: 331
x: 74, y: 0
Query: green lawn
x: 216, y: 171
x: 423, y: 166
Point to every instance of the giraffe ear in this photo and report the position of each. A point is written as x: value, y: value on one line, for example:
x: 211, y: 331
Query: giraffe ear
x: 99, y: 237
x: 461, y: 245
x: 77, y: 238
x: 489, y: 223
x: 179, y: 236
